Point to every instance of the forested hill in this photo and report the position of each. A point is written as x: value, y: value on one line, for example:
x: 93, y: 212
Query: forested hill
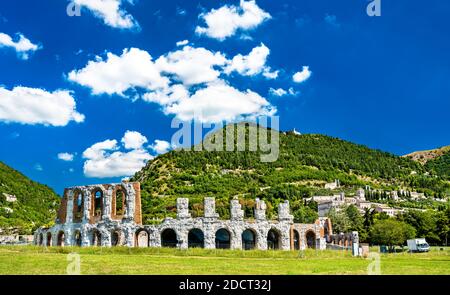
x: 305, y: 164
x: 24, y: 204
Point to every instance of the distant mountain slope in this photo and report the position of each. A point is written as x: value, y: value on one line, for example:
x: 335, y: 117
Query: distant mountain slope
x: 440, y: 165
x: 305, y: 164
x: 425, y: 156
x: 24, y: 204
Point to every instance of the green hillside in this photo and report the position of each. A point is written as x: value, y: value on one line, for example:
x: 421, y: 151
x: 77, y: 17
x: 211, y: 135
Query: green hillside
x: 305, y: 164
x: 440, y: 165
x: 35, y: 206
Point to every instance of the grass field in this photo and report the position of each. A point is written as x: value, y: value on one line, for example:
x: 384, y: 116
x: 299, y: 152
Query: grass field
x: 38, y: 260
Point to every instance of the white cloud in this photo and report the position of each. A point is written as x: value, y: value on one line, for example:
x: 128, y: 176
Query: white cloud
x: 225, y: 21
x: 277, y: 92
x: 302, y: 76
x: 37, y: 106
x: 104, y: 159
x: 111, y: 12
x: 252, y: 64
x: 219, y: 101
x: 281, y: 92
x: 133, y: 140
x: 161, y: 146
x: 182, y: 43
x: 192, y: 65
x: 38, y: 167
x: 22, y: 46
x: 66, y: 157
x: 332, y: 21
x: 134, y: 68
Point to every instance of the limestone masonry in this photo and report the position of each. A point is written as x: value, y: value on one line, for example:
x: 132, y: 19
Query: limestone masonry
x: 110, y: 215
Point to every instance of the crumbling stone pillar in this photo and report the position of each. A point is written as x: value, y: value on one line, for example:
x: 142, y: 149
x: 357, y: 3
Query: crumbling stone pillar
x: 183, y: 208
x: 210, y: 208
x: 284, y: 212
x: 69, y: 208
x: 107, y: 203
x: 260, y: 210
x: 236, y: 210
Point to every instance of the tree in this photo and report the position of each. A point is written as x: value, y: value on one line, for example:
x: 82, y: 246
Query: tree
x: 341, y: 222
x: 391, y: 232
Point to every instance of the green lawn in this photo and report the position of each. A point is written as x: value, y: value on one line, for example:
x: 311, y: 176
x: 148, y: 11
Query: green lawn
x: 38, y: 260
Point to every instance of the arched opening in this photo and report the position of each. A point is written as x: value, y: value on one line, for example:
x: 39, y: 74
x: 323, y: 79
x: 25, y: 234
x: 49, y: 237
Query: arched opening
x: 223, y: 240
x: 248, y: 239
x: 116, y: 238
x: 41, y: 239
x: 98, y: 203
x: 142, y: 238
x: 78, y: 204
x: 77, y: 238
x: 96, y: 238
x: 60, y: 241
x: 296, y: 240
x: 273, y: 239
x: 310, y: 239
x: 169, y: 238
x: 120, y: 202
x: 196, y: 238
x: 49, y: 239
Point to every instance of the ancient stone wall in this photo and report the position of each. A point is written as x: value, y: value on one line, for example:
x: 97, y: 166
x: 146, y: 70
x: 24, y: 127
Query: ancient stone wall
x: 98, y: 223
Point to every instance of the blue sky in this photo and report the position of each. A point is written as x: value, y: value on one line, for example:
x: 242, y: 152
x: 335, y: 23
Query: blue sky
x: 69, y: 83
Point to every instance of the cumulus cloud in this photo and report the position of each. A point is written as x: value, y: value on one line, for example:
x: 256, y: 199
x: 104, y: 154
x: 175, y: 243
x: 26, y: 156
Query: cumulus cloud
x: 21, y: 45
x: 116, y: 74
x: 133, y: 140
x: 226, y: 21
x: 104, y: 159
x: 161, y: 146
x: 332, y: 21
x: 68, y: 157
x: 37, y: 106
x: 185, y: 82
x: 182, y: 43
x: 220, y: 101
x: 192, y: 65
x: 281, y: 92
x: 252, y: 64
x: 302, y: 76
x: 277, y: 92
x: 111, y: 12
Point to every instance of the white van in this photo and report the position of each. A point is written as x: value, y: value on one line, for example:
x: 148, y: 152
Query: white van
x: 418, y: 245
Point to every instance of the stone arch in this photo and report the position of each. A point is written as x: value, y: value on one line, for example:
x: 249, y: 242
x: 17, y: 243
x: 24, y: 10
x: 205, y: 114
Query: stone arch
x: 117, y: 238
x: 273, y: 239
x: 119, y: 203
x: 169, y: 238
x: 249, y: 239
x: 60, y: 239
x: 97, y: 202
x: 223, y: 239
x: 96, y: 238
x: 296, y: 237
x: 142, y: 238
x: 196, y: 238
x: 49, y: 239
x: 77, y: 239
x: 310, y: 238
x: 78, y: 205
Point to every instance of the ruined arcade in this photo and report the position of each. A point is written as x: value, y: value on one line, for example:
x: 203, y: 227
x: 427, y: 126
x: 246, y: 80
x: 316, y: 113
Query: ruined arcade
x: 110, y: 215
